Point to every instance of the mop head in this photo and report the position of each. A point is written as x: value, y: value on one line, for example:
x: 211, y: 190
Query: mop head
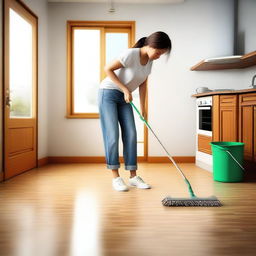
x: 194, y: 201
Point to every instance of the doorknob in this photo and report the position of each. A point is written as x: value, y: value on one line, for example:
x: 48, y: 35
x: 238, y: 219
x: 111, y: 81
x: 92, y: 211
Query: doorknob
x: 7, y: 99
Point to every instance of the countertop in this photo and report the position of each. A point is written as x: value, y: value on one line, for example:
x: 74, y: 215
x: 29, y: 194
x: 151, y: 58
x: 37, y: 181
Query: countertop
x: 224, y: 92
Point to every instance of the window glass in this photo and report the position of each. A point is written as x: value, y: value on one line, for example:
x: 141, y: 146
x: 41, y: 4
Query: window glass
x: 115, y: 44
x: 86, y: 70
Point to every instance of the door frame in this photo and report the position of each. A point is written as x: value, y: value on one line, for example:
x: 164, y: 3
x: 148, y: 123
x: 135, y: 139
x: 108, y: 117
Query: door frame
x: 5, y: 60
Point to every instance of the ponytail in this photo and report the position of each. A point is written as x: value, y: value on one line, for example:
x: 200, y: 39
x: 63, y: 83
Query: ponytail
x: 140, y: 43
x: 157, y: 40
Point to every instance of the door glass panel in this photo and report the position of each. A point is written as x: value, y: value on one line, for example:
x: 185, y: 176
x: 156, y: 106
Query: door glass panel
x: 86, y: 70
x: 21, y: 66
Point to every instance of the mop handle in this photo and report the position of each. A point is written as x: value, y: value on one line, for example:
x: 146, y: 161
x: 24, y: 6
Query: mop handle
x: 170, y: 157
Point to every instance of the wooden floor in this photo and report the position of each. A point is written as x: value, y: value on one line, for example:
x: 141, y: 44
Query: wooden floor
x: 71, y: 209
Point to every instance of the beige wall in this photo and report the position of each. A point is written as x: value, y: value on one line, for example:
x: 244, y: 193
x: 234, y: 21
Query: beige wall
x: 198, y: 29
x: 247, y: 32
x: 246, y: 25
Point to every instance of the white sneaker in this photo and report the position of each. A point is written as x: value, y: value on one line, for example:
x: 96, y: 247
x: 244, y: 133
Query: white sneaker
x: 138, y: 182
x: 119, y: 185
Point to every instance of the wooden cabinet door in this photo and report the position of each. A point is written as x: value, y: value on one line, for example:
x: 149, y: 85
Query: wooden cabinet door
x: 204, y: 143
x: 228, y: 124
x: 247, y: 130
x: 216, y: 118
x: 254, y: 132
x: 248, y: 133
x: 228, y: 119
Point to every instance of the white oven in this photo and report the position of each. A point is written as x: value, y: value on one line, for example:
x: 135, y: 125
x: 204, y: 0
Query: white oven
x: 203, y: 127
x: 204, y: 115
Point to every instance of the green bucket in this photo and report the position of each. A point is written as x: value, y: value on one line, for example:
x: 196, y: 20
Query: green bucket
x: 227, y: 161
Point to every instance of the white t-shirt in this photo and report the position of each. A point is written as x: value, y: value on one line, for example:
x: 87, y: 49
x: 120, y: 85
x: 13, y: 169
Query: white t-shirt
x: 132, y: 74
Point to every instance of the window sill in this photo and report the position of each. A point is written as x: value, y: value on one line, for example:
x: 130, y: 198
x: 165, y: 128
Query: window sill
x: 83, y: 116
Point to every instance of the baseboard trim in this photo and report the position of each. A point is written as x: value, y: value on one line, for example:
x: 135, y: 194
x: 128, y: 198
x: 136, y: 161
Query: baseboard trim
x: 76, y: 159
x: 177, y: 159
x: 1, y: 176
x: 43, y: 161
x: 101, y: 159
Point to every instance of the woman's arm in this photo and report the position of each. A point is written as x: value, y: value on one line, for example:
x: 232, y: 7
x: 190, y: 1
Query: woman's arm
x: 143, y: 91
x: 109, y: 69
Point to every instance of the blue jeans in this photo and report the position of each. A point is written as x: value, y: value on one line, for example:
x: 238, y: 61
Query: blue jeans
x: 113, y: 110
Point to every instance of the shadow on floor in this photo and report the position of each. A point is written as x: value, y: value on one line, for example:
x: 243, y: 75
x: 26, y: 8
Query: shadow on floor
x: 250, y: 173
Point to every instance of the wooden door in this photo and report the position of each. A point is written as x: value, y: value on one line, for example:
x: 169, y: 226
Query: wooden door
x: 20, y: 88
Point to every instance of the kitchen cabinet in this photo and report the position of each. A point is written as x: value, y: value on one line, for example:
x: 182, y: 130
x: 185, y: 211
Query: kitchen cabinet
x: 233, y: 119
x: 247, y: 125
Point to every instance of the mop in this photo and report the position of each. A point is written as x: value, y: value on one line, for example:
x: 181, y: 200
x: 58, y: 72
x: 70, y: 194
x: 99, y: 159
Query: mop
x: 193, y: 200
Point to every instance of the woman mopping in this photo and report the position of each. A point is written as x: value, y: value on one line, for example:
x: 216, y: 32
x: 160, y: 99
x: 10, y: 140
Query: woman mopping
x: 124, y: 75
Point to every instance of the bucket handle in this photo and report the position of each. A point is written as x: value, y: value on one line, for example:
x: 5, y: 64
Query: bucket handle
x: 231, y: 156
x: 235, y: 160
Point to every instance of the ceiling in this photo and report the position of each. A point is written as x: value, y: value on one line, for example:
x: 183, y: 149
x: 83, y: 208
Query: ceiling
x: 121, y: 1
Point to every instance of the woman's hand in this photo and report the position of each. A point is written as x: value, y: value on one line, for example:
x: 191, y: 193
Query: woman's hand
x: 127, y: 96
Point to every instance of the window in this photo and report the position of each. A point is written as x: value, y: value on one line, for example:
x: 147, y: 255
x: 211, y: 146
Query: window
x: 91, y: 45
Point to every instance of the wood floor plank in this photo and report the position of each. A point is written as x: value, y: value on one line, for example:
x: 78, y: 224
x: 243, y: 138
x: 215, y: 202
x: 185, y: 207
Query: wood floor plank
x: 71, y: 209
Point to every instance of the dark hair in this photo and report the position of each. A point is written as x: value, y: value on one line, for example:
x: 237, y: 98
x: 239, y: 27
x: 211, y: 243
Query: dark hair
x: 157, y: 40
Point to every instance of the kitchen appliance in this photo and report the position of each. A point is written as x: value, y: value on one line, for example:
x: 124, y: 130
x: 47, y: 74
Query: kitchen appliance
x: 223, y: 90
x: 238, y: 39
x: 203, y: 127
x: 202, y: 89
x: 204, y: 115
x: 253, y: 79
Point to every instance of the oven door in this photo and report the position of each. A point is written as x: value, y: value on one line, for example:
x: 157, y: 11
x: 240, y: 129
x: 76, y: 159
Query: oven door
x: 205, y: 120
